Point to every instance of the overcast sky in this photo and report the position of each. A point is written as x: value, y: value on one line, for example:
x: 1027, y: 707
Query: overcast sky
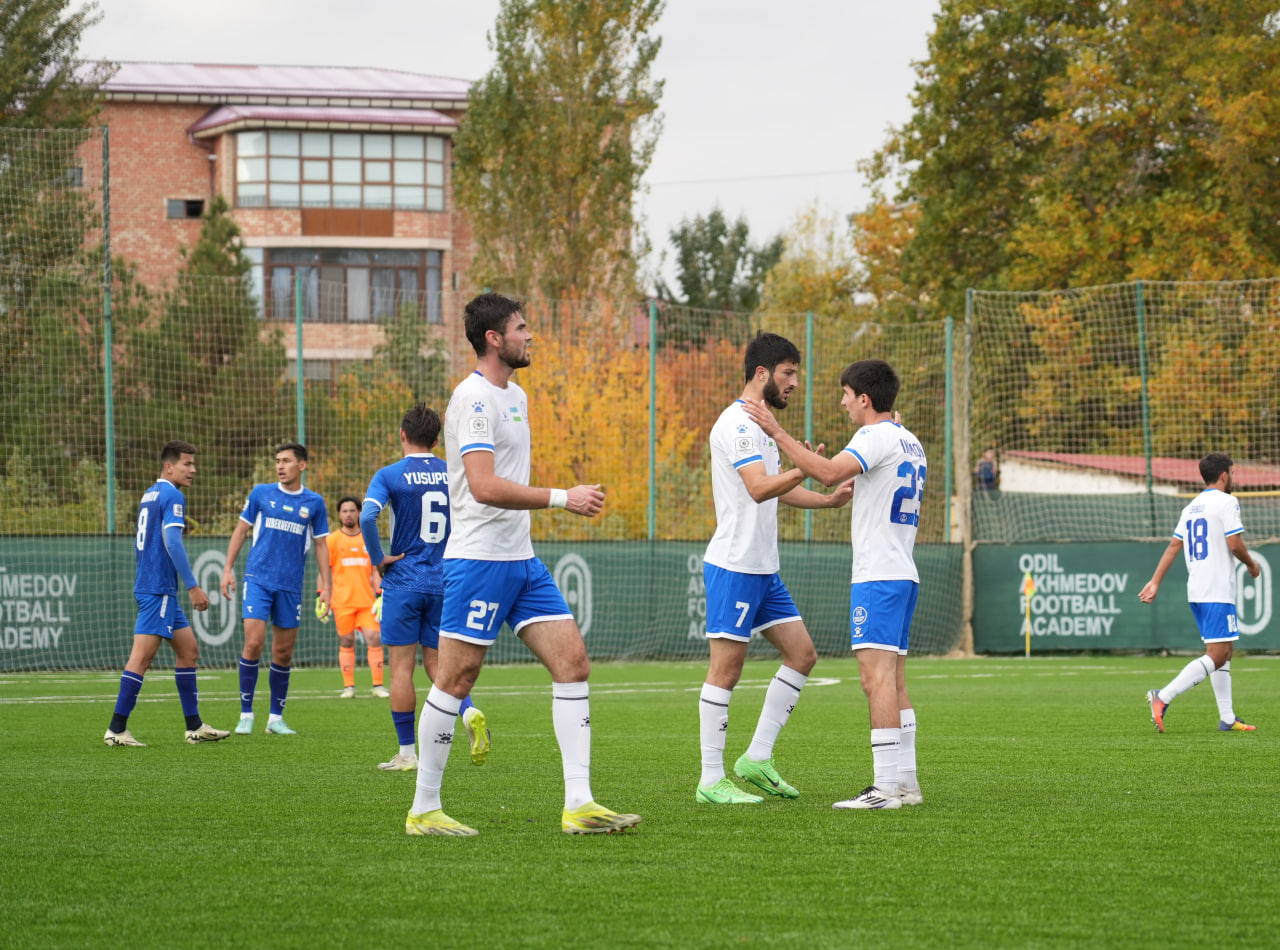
x: 768, y: 107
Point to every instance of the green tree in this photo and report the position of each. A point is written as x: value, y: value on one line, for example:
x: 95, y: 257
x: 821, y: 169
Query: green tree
x: 410, y: 349
x: 554, y: 142
x: 48, y: 104
x: 1158, y: 152
x: 963, y: 157
x: 720, y: 273
x: 206, y: 371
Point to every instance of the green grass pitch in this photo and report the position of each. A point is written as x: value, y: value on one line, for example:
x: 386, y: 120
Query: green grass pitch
x: 1054, y: 816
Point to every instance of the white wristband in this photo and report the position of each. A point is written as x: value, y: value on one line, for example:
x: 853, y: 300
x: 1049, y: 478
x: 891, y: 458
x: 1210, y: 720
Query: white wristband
x: 559, y: 498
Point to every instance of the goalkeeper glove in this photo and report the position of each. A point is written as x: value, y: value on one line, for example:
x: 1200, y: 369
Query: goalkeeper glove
x: 377, y: 607
x: 322, y: 610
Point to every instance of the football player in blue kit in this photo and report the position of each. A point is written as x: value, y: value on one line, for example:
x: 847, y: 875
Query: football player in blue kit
x: 417, y: 490
x: 286, y: 519
x: 161, y: 561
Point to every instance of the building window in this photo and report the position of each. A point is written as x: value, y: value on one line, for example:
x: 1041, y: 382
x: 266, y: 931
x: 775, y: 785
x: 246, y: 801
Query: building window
x: 281, y: 169
x: 184, y: 208
x: 352, y: 286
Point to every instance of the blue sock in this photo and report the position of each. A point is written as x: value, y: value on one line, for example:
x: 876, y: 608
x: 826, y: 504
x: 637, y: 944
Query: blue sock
x: 248, y: 683
x: 278, y: 678
x: 185, y: 678
x: 466, y: 704
x: 404, y: 726
x: 126, y: 699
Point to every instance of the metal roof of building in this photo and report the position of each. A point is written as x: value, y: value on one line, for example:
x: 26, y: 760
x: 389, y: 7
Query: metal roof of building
x: 306, y: 85
x: 1248, y: 475
x: 233, y: 117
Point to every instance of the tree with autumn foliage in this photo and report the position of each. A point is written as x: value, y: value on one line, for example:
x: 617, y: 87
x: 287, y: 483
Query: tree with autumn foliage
x: 554, y: 143
x: 1057, y: 143
x: 589, y: 414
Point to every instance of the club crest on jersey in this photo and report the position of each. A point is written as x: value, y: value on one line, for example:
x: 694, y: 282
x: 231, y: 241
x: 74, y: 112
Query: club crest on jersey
x: 478, y: 426
x: 304, y: 512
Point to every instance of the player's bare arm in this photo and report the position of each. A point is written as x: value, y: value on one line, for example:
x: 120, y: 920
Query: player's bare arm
x: 326, y: 573
x: 1171, y: 553
x: 1235, y: 544
x: 228, y: 585
x: 829, y: 471
x: 489, y: 488
x: 762, y: 487
x: 807, y: 498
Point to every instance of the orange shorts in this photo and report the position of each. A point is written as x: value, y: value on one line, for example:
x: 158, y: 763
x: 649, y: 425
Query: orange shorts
x: 348, y: 621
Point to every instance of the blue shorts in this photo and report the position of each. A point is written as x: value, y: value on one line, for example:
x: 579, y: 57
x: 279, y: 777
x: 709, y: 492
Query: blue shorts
x: 479, y: 596
x: 1217, y: 622
x: 880, y: 614
x: 159, y: 615
x: 411, y: 618
x: 739, y: 605
x: 282, y: 607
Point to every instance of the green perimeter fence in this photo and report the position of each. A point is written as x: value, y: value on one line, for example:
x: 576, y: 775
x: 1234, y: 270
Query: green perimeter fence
x: 1086, y: 397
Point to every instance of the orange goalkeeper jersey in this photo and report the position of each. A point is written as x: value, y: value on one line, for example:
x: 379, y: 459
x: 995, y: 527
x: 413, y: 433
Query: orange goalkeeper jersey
x: 349, y: 561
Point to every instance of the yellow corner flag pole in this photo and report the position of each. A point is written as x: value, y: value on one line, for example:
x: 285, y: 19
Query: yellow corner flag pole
x: 1028, y: 591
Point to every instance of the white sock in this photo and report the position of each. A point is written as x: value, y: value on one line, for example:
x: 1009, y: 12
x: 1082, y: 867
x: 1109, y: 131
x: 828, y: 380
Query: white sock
x: 1220, y: 680
x: 713, y: 722
x: 571, y: 717
x: 272, y: 717
x: 1192, y: 675
x: 907, y: 750
x: 884, y: 759
x: 779, y: 700
x: 435, y: 739
x: 408, y: 751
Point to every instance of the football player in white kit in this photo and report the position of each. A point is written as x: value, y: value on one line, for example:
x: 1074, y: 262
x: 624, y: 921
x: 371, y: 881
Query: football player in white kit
x: 492, y: 577
x: 888, y: 466
x: 745, y: 595
x: 1209, y: 535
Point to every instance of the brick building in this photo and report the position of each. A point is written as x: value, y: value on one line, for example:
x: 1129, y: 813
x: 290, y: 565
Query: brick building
x: 338, y: 176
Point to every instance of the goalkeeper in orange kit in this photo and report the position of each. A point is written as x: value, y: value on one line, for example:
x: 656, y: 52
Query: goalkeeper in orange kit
x: 357, y: 597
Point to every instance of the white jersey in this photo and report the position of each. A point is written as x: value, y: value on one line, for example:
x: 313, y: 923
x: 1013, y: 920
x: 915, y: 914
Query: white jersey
x: 886, y: 502
x: 746, y: 538
x: 1203, y: 529
x: 483, y: 418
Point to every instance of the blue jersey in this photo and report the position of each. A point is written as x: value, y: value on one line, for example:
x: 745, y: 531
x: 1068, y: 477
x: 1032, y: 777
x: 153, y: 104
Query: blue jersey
x: 161, y: 509
x: 284, y: 523
x: 417, y: 488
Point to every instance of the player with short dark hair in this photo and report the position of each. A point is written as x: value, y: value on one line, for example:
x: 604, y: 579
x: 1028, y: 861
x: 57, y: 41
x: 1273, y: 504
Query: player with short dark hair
x: 1209, y: 534
x: 356, y: 588
x: 492, y: 577
x: 417, y: 490
x: 161, y: 561
x: 745, y: 594
x: 888, y: 466
x: 286, y: 518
